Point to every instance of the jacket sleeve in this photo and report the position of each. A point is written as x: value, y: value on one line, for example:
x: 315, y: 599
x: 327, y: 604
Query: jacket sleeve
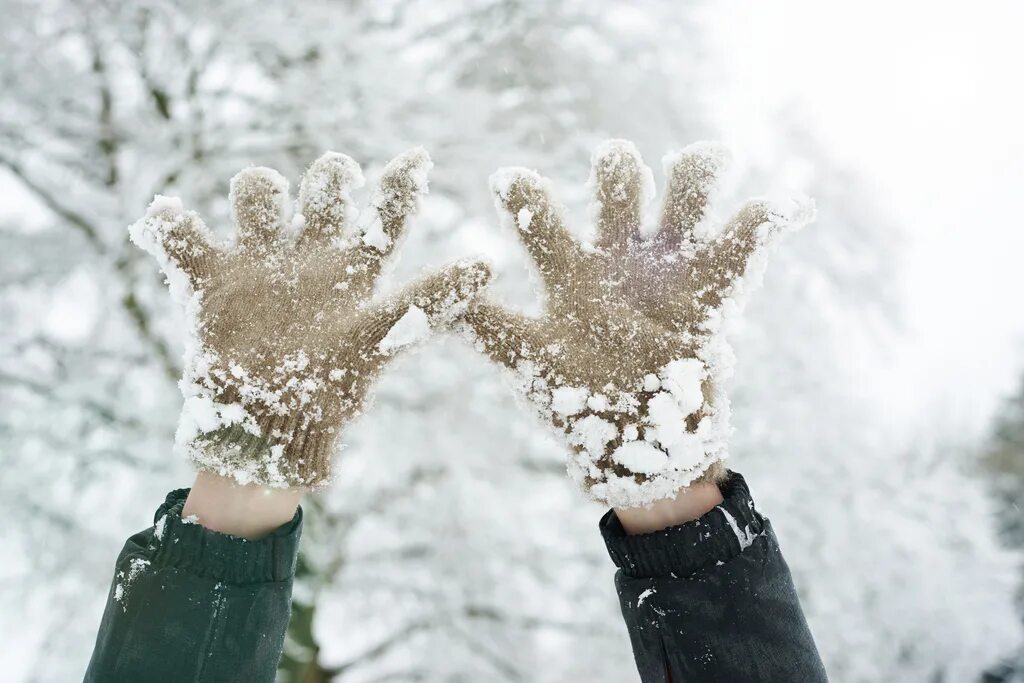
x: 189, y: 604
x: 713, y: 599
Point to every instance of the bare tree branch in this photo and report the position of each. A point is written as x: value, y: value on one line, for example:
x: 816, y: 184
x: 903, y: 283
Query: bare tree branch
x: 87, y: 228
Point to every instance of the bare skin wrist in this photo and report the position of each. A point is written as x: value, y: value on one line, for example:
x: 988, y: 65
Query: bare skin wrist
x: 250, y: 511
x: 689, y: 504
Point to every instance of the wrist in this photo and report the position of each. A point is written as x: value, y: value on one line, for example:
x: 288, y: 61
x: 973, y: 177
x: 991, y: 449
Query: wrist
x: 248, y: 511
x: 689, y: 504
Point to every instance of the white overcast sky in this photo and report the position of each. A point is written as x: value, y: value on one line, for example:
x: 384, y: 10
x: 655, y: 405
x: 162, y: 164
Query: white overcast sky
x: 925, y: 98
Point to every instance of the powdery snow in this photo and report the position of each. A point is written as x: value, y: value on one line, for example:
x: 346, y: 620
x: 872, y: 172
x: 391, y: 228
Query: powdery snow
x: 332, y: 175
x: 373, y: 232
x: 523, y: 219
x: 162, y: 216
x: 745, y: 537
x: 567, y: 401
x: 412, y: 327
x: 668, y: 422
x: 640, y: 456
x: 683, y: 378
x: 261, y: 176
x: 200, y: 414
x: 393, y: 198
x: 616, y: 157
x: 593, y: 434
x: 158, y: 528
x: 687, y: 452
x: 125, y: 579
x: 714, y: 157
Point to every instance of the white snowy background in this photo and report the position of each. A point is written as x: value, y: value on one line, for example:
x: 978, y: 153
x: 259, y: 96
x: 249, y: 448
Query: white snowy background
x: 454, y: 547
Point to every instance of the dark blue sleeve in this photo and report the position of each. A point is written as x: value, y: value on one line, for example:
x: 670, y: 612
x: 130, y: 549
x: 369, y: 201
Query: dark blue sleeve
x: 189, y: 604
x: 713, y: 599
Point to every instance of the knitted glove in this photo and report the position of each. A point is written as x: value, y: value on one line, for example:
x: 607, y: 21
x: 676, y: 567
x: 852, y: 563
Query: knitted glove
x: 285, y: 339
x: 629, y: 358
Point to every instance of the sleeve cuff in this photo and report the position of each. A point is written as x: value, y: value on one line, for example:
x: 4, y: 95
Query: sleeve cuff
x: 190, y: 547
x: 679, y: 551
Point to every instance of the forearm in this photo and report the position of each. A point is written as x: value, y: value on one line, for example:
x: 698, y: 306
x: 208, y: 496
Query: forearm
x: 190, y: 604
x: 712, y: 599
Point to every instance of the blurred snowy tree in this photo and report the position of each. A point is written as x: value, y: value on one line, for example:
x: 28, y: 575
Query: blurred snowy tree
x: 108, y: 104
x: 452, y: 546
x: 864, y: 504
x: 1003, y: 464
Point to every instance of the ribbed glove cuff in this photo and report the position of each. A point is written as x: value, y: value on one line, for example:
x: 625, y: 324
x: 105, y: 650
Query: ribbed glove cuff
x: 284, y: 454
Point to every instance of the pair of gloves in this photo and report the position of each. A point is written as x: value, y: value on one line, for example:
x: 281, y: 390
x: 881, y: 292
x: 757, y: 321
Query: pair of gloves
x: 627, y: 362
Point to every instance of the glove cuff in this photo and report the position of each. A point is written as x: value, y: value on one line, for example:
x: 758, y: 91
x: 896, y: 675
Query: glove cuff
x: 286, y: 453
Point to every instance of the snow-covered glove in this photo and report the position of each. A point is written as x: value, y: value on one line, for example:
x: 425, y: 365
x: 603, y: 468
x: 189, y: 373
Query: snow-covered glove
x: 629, y: 359
x: 285, y: 338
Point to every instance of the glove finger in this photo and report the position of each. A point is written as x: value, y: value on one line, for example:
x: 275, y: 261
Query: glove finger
x: 692, y: 176
x: 178, y: 239
x: 397, y: 197
x: 523, y: 196
x: 259, y: 201
x: 325, y: 200
x: 621, y: 183
x: 507, y: 337
x: 720, y: 264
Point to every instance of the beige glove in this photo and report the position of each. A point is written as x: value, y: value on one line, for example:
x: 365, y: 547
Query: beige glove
x: 629, y: 358
x: 285, y: 339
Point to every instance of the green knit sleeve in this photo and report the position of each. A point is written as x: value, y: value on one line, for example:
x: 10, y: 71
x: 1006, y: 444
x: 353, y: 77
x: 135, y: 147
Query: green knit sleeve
x: 189, y: 604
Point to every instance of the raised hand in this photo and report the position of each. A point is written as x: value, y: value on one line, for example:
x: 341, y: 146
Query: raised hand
x: 629, y: 357
x: 285, y: 337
